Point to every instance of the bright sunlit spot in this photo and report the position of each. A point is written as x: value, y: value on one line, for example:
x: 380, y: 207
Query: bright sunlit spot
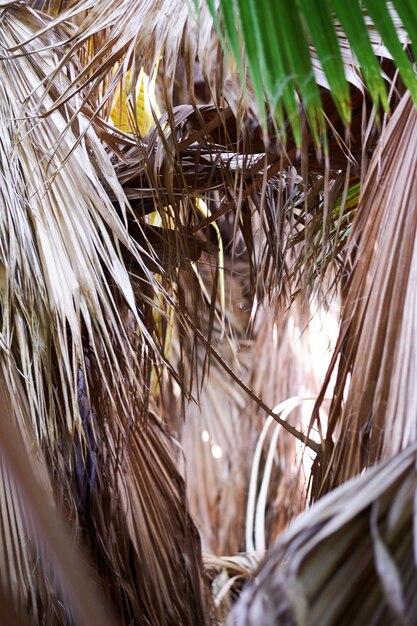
x: 205, y: 436
x: 216, y: 451
x: 275, y: 335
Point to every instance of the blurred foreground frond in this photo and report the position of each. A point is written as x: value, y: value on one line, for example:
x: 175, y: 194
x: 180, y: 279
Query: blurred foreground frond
x: 350, y: 559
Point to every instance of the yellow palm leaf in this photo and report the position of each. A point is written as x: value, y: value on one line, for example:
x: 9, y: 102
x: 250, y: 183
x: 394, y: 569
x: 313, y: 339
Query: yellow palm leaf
x: 130, y: 118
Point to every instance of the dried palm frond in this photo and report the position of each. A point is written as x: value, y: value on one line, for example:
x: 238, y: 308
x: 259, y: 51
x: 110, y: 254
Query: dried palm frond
x: 46, y: 582
x: 227, y: 575
x: 274, y: 358
x: 319, y: 246
x: 218, y: 151
x: 350, y: 559
x: 222, y: 152
x: 303, y: 226
x: 372, y: 414
x: 78, y: 341
x: 88, y: 279
x: 216, y: 434
x: 290, y: 357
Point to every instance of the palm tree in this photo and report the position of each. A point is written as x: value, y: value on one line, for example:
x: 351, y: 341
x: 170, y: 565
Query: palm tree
x: 134, y: 259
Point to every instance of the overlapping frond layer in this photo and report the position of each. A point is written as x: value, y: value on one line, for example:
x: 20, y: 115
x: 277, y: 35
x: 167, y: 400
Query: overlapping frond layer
x: 60, y: 236
x: 350, y: 559
x: 287, y: 362
x: 202, y: 150
x: 83, y: 316
x: 133, y: 518
x: 216, y: 432
x: 77, y: 336
x: 275, y: 78
x: 244, y: 505
x: 115, y: 43
x: 373, y: 412
x: 293, y: 228
x: 126, y: 35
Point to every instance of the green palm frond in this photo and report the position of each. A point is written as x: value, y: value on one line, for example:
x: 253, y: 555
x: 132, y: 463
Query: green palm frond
x: 293, y: 47
x: 291, y: 51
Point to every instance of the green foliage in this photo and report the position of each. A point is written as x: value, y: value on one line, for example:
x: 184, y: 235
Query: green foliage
x: 291, y: 47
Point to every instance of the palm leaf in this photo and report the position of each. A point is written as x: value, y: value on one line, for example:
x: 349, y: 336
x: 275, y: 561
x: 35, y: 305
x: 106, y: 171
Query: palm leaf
x: 124, y: 39
x: 88, y: 280
x: 77, y: 337
x: 374, y: 419
x: 275, y: 40
x: 45, y: 578
x: 349, y: 559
